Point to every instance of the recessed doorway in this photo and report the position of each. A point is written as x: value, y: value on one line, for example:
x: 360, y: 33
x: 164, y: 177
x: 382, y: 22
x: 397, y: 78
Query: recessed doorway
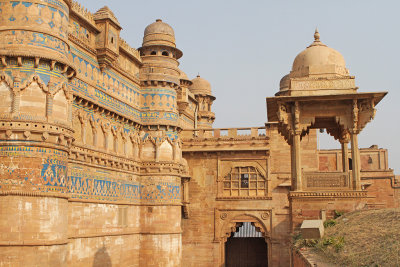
x: 246, y: 248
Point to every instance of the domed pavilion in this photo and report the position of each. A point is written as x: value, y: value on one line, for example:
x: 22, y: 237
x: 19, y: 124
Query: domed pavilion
x: 319, y: 93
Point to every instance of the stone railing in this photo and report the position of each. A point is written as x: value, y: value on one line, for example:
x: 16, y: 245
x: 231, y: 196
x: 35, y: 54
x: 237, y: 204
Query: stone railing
x: 326, y: 180
x: 225, y: 133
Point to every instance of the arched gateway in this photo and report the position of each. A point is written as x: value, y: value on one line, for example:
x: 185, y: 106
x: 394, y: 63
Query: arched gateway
x: 251, y: 249
x: 246, y: 247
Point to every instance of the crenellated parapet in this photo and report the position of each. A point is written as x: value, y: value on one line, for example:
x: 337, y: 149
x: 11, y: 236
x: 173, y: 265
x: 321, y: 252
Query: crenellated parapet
x: 82, y: 12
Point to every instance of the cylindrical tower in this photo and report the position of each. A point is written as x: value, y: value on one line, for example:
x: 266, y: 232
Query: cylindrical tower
x: 35, y: 131
x: 201, y: 88
x: 161, y: 154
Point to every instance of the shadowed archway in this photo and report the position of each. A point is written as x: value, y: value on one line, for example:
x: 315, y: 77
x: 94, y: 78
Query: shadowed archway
x: 246, y: 247
x: 257, y: 224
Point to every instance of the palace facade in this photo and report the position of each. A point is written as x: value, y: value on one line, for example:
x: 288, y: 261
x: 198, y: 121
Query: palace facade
x: 108, y: 155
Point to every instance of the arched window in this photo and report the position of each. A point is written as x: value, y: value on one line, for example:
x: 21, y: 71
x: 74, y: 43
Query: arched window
x: 244, y: 182
x: 165, y: 53
x: 153, y: 53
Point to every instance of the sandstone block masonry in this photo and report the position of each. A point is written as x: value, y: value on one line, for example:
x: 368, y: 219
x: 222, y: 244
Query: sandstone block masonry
x: 108, y: 156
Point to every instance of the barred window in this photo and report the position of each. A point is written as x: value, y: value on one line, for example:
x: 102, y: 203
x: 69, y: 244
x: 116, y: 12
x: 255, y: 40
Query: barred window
x: 244, y: 182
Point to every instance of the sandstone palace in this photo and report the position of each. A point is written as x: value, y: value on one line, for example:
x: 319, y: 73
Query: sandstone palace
x: 108, y: 155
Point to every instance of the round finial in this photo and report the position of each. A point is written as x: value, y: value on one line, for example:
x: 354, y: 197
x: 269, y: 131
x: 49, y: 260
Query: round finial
x: 158, y: 20
x: 316, y: 35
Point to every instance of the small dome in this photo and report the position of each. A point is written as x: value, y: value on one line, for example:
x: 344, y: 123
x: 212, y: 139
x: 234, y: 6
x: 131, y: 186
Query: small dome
x: 200, y: 86
x: 183, y: 76
x: 318, y: 59
x: 159, y: 33
x: 284, y: 83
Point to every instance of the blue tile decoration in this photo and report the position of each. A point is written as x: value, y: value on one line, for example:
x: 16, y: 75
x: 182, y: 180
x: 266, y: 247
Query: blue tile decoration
x: 48, y: 170
x: 82, y: 182
x: 94, y: 184
x: 34, y: 39
x: 43, y: 169
x: 21, y: 14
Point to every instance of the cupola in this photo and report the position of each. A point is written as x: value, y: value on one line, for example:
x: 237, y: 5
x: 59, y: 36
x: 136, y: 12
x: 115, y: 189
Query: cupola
x: 318, y: 60
x: 317, y: 70
x: 200, y: 86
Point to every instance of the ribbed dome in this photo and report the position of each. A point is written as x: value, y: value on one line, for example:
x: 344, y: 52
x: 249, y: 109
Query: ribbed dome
x: 159, y: 33
x: 318, y: 59
x: 200, y: 86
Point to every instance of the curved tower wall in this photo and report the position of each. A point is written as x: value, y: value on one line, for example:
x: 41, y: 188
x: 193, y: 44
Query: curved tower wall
x: 159, y: 77
x: 91, y: 166
x: 35, y: 131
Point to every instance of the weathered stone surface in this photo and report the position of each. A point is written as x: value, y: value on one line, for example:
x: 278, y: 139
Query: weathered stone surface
x: 108, y: 156
x: 312, y: 229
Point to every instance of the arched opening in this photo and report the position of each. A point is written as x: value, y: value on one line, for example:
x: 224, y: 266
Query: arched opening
x: 153, y: 53
x: 246, y: 247
x: 165, y: 53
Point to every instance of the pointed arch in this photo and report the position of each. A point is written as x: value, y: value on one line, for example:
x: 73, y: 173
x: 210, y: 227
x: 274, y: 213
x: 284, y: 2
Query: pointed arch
x: 6, y: 93
x: 148, y: 148
x: 166, y: 151
x: 33, y: 97
x: 61, y: 103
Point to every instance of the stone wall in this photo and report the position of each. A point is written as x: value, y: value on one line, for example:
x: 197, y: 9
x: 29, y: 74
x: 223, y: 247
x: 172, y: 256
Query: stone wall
x: 91, y: 165
x: 83, y: 182
x: 212, y: 213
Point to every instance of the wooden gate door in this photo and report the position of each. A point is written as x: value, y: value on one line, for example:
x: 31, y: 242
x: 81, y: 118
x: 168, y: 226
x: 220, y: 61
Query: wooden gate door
x: 246, y: 252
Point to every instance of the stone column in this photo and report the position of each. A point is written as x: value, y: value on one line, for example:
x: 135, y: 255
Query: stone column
x: 355, y: 154
x: 296, y: 163
x: 345, y: 159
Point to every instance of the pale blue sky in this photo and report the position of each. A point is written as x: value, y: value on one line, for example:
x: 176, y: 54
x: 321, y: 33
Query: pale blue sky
x: 244, y: 48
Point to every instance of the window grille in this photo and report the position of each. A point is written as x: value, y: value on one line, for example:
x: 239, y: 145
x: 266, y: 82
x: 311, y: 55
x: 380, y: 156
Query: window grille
x: 244, y: 182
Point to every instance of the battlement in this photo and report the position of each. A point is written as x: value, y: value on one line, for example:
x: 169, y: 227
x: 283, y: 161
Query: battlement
x: 82, y: 12
x: 130, y: 50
